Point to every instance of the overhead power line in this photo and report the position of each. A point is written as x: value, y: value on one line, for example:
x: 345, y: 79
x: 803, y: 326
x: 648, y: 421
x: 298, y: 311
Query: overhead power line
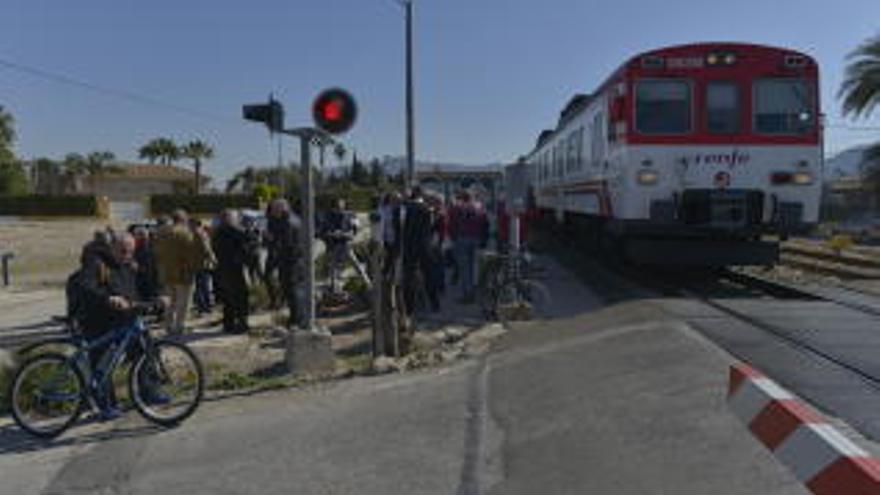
x: 105, y: 90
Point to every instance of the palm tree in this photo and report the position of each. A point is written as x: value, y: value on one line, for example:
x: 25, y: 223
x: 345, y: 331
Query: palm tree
x: 149, y: 151
x: 168, y: 150
x: 244, y: 179
x: 162, y: 148
x: 197, y: 151
x: 861, y: 95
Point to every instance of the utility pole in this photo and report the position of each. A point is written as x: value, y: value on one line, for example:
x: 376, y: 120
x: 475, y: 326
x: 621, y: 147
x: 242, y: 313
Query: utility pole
x: 410, y: 118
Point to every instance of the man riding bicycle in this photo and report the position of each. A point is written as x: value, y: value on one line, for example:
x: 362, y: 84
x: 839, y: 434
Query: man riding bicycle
x: 108, y: 294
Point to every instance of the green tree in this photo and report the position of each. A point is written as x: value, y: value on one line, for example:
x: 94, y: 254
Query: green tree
x: 860, y: 92
x: 197, y: 151
x: 149, y: 151
x: 359, y: 174
x: 98, y: 162
x: 377, y: 175
x: 163, y: 149
x: 7, y: 135
x: 339, y: 151
x: 13, y: 179
x: 47, y: 176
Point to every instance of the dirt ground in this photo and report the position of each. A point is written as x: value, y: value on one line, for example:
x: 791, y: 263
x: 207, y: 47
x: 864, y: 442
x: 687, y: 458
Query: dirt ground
x: 46, y: 252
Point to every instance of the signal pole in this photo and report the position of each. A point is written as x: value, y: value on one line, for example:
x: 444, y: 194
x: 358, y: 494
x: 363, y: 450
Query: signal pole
x: 306, y: 136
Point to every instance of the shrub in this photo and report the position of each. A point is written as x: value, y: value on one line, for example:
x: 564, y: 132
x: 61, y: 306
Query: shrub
x: 46, y: 205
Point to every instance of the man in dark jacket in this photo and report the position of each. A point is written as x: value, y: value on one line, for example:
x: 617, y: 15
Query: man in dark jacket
x: 283, y: 231
x: 416, y: 231
x: 108, y: 291
x: 109, y: 288
x: 230, y: 247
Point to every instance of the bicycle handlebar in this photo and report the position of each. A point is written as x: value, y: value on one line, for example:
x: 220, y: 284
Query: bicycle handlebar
x: 145, y: 308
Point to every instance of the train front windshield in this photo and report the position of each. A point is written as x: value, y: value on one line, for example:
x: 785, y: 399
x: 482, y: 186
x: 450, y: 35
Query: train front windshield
x: 783, y: 106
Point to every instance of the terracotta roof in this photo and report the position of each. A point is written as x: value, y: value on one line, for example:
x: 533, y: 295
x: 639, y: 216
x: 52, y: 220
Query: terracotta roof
x: 148, y: 171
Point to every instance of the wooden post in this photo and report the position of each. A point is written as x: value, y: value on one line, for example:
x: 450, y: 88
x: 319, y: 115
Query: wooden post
x: 379, y: 313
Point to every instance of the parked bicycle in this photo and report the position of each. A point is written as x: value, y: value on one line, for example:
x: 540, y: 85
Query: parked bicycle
x: 51, y: 390
x: 506, y: 281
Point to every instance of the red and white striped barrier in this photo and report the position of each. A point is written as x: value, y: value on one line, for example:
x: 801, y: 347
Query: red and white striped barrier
x: 825, y: 461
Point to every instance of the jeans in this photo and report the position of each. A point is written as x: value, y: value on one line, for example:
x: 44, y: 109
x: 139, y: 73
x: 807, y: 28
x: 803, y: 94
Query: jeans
x: 233, y: 293
x: 465, y: 256
x: 202, y: 296
x: 175, y: 318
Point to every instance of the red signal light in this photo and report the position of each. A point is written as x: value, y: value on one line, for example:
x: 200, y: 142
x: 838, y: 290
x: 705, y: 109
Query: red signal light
x: 334, y: 111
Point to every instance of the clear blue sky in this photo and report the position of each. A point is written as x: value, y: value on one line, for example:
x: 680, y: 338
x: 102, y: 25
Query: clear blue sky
x: 490, y: 73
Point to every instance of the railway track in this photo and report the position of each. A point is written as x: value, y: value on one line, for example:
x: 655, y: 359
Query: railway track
x: 851, y: 264
x: 720, y: 289
x: 788, y: 292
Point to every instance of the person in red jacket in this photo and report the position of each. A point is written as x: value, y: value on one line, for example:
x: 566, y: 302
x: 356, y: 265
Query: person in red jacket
x: 468, y: 229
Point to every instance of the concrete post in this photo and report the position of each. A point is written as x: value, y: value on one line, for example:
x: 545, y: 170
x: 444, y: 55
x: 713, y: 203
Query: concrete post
x: 309, y: 349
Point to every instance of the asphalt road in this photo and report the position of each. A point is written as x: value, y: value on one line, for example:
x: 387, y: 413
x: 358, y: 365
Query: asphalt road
x: 617, y: 401
x: 844, y: 335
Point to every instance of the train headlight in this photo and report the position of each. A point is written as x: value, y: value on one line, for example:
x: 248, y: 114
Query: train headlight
x: 802, y: 178
x: 647, y: 177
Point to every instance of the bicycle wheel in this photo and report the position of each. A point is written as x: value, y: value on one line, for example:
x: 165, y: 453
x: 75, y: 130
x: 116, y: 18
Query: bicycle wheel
x: 166, y: 383
x: 537, y: 294
x: 522, y: 299
x: 488, y: 294
x: 47, y: 395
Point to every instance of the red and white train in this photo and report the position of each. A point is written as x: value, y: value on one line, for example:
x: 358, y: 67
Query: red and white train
x: 689, y: 155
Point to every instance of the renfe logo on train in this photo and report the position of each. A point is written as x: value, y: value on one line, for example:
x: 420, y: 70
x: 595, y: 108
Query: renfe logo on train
x: 733, y: 158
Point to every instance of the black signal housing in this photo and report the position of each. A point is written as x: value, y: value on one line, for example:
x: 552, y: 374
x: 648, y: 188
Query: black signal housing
x: 334, y: 111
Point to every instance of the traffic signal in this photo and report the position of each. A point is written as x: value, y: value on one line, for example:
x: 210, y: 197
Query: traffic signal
x: 334, y: 111
x: 271, y: 114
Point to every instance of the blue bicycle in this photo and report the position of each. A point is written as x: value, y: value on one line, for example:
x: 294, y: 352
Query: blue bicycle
x: 51, y: 390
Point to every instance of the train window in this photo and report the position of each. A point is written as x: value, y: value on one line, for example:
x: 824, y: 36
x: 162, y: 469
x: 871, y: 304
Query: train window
x: 580, y: 149
x: 722, y: 107
x: 560, y: 157
x: 572, y: 153
x: 783, y: 106
x: 663, y: 107
x: 597, y: 147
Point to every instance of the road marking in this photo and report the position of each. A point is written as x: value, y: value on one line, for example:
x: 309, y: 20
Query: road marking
x: 472, y: 470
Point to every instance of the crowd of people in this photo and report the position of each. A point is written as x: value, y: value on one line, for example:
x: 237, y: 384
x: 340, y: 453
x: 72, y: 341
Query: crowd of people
x: 430, y: 238
x: 198, y: 265
x: 189, y: 263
